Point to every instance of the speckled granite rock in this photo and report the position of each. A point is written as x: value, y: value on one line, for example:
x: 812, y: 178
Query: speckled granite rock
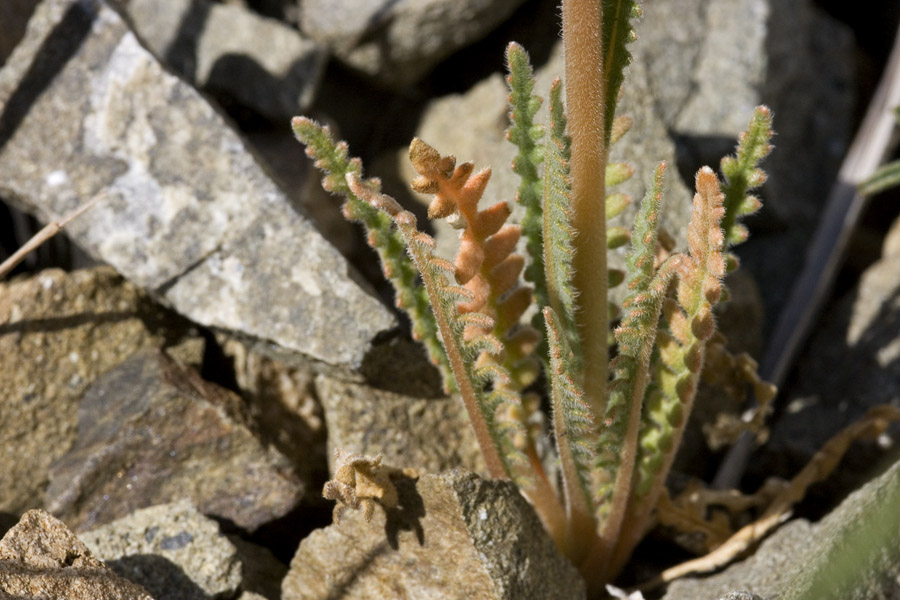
x: 173, y: 551
x: 58, y: 333
x: 454, y: 536
x: 398, y: 41
x: 260, y: 62
x: 41, y: 558
x: 187, y: 211
x: 151, y: 432
x: 426, y: 434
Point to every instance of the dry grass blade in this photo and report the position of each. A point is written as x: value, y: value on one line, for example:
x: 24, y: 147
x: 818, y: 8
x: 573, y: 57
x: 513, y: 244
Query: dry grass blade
x: 43, y: 235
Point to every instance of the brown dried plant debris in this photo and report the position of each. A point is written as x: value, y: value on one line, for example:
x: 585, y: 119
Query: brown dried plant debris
x: 359, y: 482
x: 705, y: 518
x: 868, y: 427
x: 733, y: 374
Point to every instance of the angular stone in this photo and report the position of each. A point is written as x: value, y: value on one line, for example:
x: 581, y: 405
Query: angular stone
x: 258, y: 61
x: 41, y: 558
x: 398, y: 41
x: 851, y: 554
x: 454, y: 535
x: 289, y: 166
x: 426, y: 434
x: 151, y: 432
x: 727, y: 56
x: 186, y: 211
x: 172, y: 550
x: 58, y: 333
x: 719, y: 66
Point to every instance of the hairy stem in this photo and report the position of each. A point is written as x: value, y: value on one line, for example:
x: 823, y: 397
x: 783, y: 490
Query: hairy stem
x: 405, y: 221
x: 585, y: 106
x: 572, y: 423
x: 542, y: 495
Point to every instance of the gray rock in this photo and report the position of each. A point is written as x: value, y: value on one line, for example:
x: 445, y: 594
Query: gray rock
x: 187, y: 212
x: 852, y: 554
x: 727, y: 56
x: 167, y: 435
x: 396, y: 42
x: 41, y: 558
x: 58, y: 333
x: 708, y: 70
x: 289, y: 166
x: 172, y: 550
x: 260, y: 62
x: 425, y: 434
x: 454, y: 535
x: 179, y: 554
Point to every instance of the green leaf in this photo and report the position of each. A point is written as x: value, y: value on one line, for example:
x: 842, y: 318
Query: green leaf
x: 635, y: 337
x: 617, y: 33
x: 616, y: 237
x: 618, y: 172
x: 558, y: 230
x: 743, y: 175
x: 615, y: 204
x: 573, y: 421
x: 527, y: 137
x: 333, y: 159
x: 887, y: 176
x: 676, y: 364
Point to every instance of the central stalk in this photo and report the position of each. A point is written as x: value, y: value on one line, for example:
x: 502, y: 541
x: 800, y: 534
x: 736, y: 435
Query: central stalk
x: 585, y: 105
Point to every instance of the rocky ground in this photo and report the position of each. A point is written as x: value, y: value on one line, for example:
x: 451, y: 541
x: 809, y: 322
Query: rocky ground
x: 178, y: 367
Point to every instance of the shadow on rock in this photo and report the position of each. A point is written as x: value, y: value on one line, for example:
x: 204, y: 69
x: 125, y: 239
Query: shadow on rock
x: 161, y: 577
x: 408, y: 515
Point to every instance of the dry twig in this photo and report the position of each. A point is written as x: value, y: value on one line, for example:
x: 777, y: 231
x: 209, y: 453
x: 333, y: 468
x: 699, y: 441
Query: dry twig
x: 43, y: 235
